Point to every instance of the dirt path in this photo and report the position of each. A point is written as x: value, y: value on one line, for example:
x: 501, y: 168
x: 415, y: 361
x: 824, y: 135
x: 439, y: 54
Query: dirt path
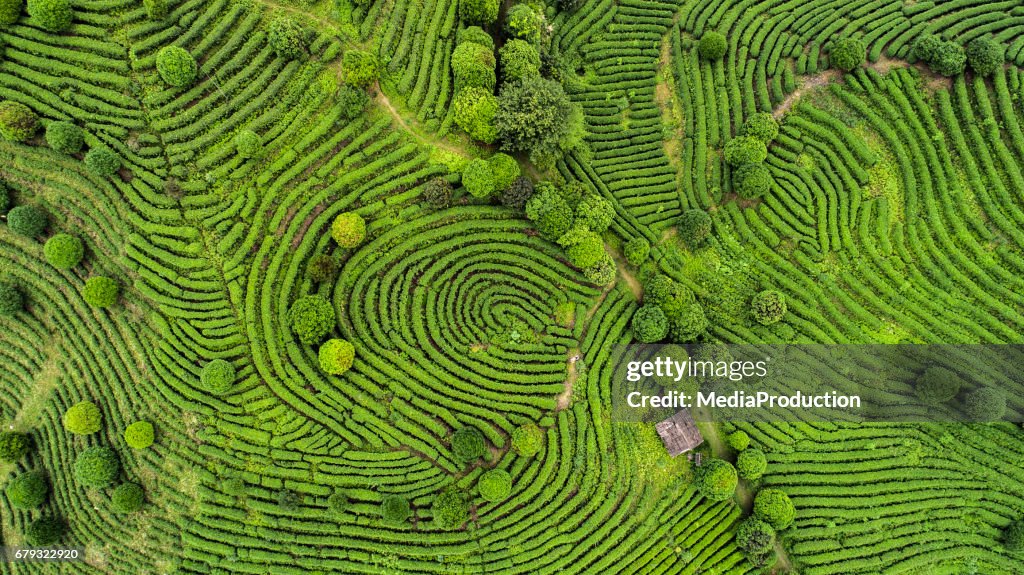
x: 810, y: 83
x: 572, y: 356
x: 415, y: 131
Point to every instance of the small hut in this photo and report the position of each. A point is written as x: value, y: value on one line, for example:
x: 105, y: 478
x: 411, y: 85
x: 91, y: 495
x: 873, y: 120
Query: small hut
x: 679, y: 433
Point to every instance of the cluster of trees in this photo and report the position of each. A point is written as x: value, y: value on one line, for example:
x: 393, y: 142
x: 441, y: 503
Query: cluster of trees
x: 670, y: 310
x: 746, y: 154
x: 19, y: 123
x: 949, y: 58
x: 937, y: 385
x: 483, y: 178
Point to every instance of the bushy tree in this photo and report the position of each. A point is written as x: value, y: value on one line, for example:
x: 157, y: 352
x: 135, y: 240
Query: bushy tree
x: 63, y: 251
x: 450, y: 509
x: 716, y: 480
x: 247, y: 144
x: 176, y: 66
x: 480, y: 12
x: 14, y: 446
x: 218, y: 376
x: 756, y: 539
x: 524, y: 23
x: 10, y: 11
x: 155, y: 9
x: 774, y: 508
x: 712, y: 46
x: 438, y: 193
x: 927, y: 47
x: 1013, y: 536
x: 348, y: 229
x: 951, y: 59
x: 51, y: 15
x: 649, y: 324
x: 338, y: 503
x: 127, y: 498
x: 44, y: 531
x: 27, y: 490
x: 549, y: 211
x: 495, y: 485
x: 661, y: 290
x: 738, y: 440
x: 602, y: 273
x: 847, y: 53
x: 752, y: 180
x: 595, y: 213
x: 637, y: 250
x: 322, y: 268
x: 100, y: 291
x: 476, y: 35
x: 82, y: 418
x: 287, y: 38
x: 985, y: 56
x: 745, y: 150
x: 985, y: 404
x: 516, y: 195
x: 695, y: 228
x: 583, y: 247
x: 288, y: 500
x: 139, y: 435
x: 336, y: 356
x: 351, y: 101
x: 762, y: 126
x: 468, y: 444
x: 937, y: 385
x: 473, y: 67
x: 686, y: 322
x: 102, y: 161
x: 505, y: 169
x: 527, y: 440
x: 395, y: 509
x: 11, y: 299
x: 64, y: 137
x: 751, y: 464
x: 97, y: 467
x: 311, y: 318
x: 519, y: 59
x: 360, y: 68
x: 478, y: 178
x: 768, y: 307
x: 474, y: 109
x: 572, y: 192
x: 18, y: 123
x: 536, y: 116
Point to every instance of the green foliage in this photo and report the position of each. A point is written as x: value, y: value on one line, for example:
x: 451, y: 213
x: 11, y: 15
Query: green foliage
x: 14, y: 446
x: 394, y: 509
x: 44, y: 531
x: 942, y: 56
x: 27, y: 490
x: 478, y: 178
x: 524, y: 23
x: 18, y: 123
x: 751, y: 464
x: 336, y: 356
x: 847, y: 54
x: 155, y: 9
x: 51, y: 15
x: 139, y: 435
x: 985, y: 404
x: 477, y: 35
x: 473, y: 67
x: 5, y: 197
x: 519, y: 59
x: 100, y: 291
x: 745, y: 150
x: 337, y: 503
x: 63, y: 251
x: 468, y: 444
x: 937, y: 385
x: 348, y: 229
x: 311, y: 318
x: 768, y: 307
x: 738, y: 440
x: 595, y: 213
x: 102, y: 161
x: 602, y: 273
x: 288, y: 500
x: 527, y: 440
x: 1013, y: 536
x: 218, y: 376
x: 756, y: 539
x: 176, y: 66
x: 322, y: 268
x: 694, y: 228
x: 518, y: 194
x: 247, y: 144
x: 716, y: 480
x: 82, y: 418
x: 504, y: 169
x: 774, y: 507
x: 438, y: 193
x: 10, y: 11
x: 11, y: 299
x: 536, y: 116
x: 495, y: 485
x: 64, y: 137
x: 360, y: 68
x: 661, y: 290
x: 762, y: 126
x: 97, y: 467
x: 480, y: 12
x: 650, y: 324
x: 549, y: 212
x: 752, y: 180
x: 637, y: 250
x: 474, y: 109
x: 583, y: 247
x: 127, y: 498
x: 712, y: 46
x: 927, y: 47
x: 985, y: 56
x: 351, y: 101
x: 287, y: 38
x: 450, y: 509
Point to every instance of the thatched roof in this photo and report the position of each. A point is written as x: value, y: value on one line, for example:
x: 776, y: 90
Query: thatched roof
x: 679, y: 433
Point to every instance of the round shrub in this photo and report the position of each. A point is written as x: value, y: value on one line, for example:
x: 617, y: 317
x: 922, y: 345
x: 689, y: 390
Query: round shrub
x: 478, y: 178
x: 11, y: 300
x: 176, y: 66
x: 139, y: 435
x: 687, y: 323
x: 927, y: 47
x: 18, y: 123
x: 602, y: 273
x: 637, y: 250
x: 27, y: 221
x: 762, y: 126
x: 468, y: 444
x: 65, y: 137
x: 595, y: 213
x: 473, y: 67
x: 155, y: 9
x: 480, y: 12
x: 127, y: 498
x: 337, y: 503
x: 650, y: 324
x: 100, y: 291
x: 774, y: 507
x: 937, y: 385
x: 518, y: 193
x: 44, y: 531
x: 63, y: 251
x: 360, y: 68
x: 524, y: 23
x: 550, y: 213
x: 287, y: 38
x: 751, y: 464
x: 716, y: 480
x: 10, y: 11
x: 288, y: 500
x: 322, y: 268
x: 738, y: 440
x: 28, y: 490
x: 985, y: 404
x: 438, y: 193
x: 218, y: 376
x: 505, y: 169
x: 745, y: 150
x: 14, y: 446
x: 311, y: 318
x: 474, y: 109
x: 752, y: 180
x: 247, y: 144
x: 97, y: 467
x: 950, y: 59
x: 348, y: 229
x: 102, y: 161
x: 495, y: 485
x: 985, y: 56
x: 583, y: 247
x: 694, y: 228
x: 450, y: 509
x: 712, y: 46
x: 519, y: 59
x: 475, y: 34
x: 82, y: 418
x: 1013, y: 536
x: 661, y: 290
x: 527, y: 440
x: 768, y: 307
x: 336, y: 356
x: 847, y: 54
x: 756, y: 539
x: 51, y: 15
x: 395, y: 509
x: 351, y: 101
